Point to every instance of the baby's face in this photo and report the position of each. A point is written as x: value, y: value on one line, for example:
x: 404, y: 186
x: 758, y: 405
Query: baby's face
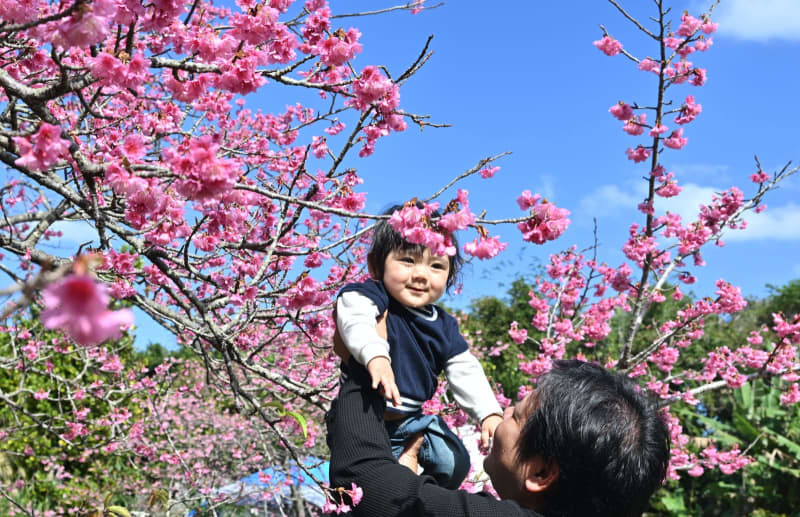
x: 415, y: 280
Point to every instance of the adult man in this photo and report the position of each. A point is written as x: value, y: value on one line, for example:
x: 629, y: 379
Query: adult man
x: 585, y: 442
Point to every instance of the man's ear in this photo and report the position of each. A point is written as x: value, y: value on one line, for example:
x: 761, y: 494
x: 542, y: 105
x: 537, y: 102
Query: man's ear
x: 541, y: 474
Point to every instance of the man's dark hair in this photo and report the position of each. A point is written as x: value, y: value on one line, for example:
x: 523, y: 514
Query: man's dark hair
x: 386, y: 239
x: 607, y: 437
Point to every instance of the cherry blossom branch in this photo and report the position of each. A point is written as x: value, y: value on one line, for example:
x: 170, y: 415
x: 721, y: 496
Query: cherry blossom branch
x: 480, y: 165
x: 722, y: 384
x: 406, y: 7
x: 635, y: 21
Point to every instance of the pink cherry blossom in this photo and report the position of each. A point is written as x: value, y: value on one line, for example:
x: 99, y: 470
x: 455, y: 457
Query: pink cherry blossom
x: 636, y: 125
x: 488, y: 172
x: 21, y: 11
x: 335, y: 129
x: 689, y: 25
x: 792, y: 396
x: 485, y: 247
x: 639, y: 154
x: 676, y: 140
x: 649, y: 65
x: 319, y: 147
x: 548, y: 223
x: 517, y: 335
x: 87, y: 26
x: 418, y: 6
x: 672, y: 42
x: 527, y: 200
x: 669, y: 187
x: 356, y: 494
x: 659, y: 129
x: 698, y: 77
x: 689, y: 110
x: 337, y: 50
x: 703, y: 44
x: 77, y: 304
x: 621, y: 111
x: 41, y: 150
x: 371, y: 86
x: 203, y: 174
x: 609, y: 46
x: 709, y: 27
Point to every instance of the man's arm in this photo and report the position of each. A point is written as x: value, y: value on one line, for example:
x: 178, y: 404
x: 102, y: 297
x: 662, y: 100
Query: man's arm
x: 361, y: 454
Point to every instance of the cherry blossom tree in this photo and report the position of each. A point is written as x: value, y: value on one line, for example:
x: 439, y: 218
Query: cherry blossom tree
x: 576, y: 300
x: 231, y: 227
x: 234, y: 228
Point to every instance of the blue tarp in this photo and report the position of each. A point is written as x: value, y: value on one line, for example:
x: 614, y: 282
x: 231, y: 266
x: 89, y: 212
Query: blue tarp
x: 249, y: 491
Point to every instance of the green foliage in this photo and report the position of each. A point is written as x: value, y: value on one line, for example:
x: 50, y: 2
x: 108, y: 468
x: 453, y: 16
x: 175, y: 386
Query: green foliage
x: 770, y: 486
x: 752, y: 416
x: 785, y: 299
x: 156, y: 353
x: 31, y: 427
x: 487, y: 324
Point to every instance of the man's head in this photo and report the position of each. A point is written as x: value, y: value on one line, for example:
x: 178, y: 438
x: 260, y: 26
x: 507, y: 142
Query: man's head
x: 585, y: 442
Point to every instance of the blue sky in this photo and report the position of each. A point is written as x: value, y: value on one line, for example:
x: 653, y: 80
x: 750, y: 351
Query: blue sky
x: 526, y: 78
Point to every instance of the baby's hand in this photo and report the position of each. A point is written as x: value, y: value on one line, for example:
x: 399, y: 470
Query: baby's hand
x: 488, y: 426
x: 380, y: 369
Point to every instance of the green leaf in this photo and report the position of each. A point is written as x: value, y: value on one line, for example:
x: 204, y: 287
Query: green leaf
x: 674, y: 504
x: 786, y: 470
x: 744, y: 396
x: 117, y: 511
x: 300, y: 420
x: 279, y: 408
x: 721, y: 431
x: 744, y: 426
x: 793, y: 447
x: 159, y: 496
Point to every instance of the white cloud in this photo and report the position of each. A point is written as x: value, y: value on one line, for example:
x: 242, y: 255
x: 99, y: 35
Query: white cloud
x: 611, y: 200
x: 759, y: 20
x: 547, y: 188
x: 777, y: 223
x: 687, y: 203
x: 699, y: 169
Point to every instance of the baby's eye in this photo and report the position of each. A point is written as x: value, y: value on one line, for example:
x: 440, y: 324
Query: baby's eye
x: 439, y: 265
x: 407, y: 259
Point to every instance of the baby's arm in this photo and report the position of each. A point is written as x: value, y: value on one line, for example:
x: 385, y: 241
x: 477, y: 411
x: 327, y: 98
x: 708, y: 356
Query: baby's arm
x: 473, y: 393
x: 363, y: 333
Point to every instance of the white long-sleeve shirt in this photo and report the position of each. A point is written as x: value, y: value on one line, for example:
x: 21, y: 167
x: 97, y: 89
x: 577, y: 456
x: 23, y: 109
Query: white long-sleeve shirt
x: 356, y: 320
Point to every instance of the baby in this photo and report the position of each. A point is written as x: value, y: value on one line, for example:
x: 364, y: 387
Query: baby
x: 422, y: 341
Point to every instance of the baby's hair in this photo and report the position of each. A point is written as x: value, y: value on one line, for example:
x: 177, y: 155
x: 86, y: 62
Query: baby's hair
x: 386, y: 239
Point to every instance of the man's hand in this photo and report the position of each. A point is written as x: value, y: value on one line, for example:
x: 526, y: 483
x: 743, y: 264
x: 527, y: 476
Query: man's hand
x: 380, y: 369
x: 488, y: 426
x: 410, y: 455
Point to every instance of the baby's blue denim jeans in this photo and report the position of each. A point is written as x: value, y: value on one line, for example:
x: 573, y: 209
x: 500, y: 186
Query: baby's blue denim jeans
x: 442, y: 454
